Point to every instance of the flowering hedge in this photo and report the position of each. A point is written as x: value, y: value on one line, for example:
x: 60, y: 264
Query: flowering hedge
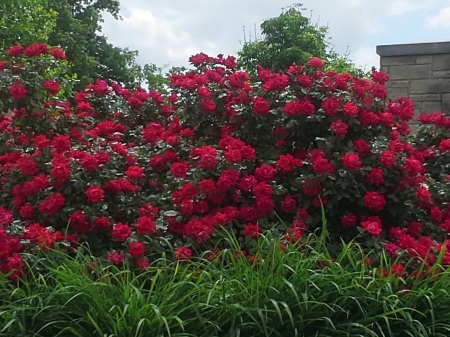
x: 130, y: 171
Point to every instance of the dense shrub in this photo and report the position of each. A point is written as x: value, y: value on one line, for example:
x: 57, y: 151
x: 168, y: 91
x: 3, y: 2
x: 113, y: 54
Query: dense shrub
x: 128, y: 171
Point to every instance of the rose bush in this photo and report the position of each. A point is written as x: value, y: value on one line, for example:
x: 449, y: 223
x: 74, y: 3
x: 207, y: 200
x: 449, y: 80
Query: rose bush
x: 132, y: 171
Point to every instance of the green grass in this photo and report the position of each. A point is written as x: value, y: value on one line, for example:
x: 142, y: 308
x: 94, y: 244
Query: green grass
x: 299, y: 292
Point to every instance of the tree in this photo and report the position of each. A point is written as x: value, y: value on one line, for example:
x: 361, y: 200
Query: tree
x: 78, y: 31
x: 291, y: 38
x: 25, y: 22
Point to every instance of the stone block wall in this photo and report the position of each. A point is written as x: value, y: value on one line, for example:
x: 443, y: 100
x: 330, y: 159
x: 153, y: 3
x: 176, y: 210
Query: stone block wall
x: 420, y: 71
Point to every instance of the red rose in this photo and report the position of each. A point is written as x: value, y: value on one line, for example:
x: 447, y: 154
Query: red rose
x: 262, y: 189
x: 330, y: 105
x: 179, y: 170
x: 36, y: 49
x: 424, y: 194
x: 58, y: 53
x: 303, y: 214
x: 388, y: 158
x: 260, y: 106
x: 137, y: 249
x: 350, y: 109
x: 145, y: 225
x: 415, y: 229
x: 157, y: 163
x: 204, y: 92
x: 252, y: 230
x: 52, y: 204
x: 18, y: 91
x: 121, y: 231
x: 316, y: 62
x: 444, y: 145
x: 374, y: 200
x: 322, y: 165
x: 116, y: 257
x: 27, y: 166
x: 102, y: 223
x: 143, y: 263
x: 339, y: 128
x: 2, y: 65
x: 26, y: 211
x: 349, y: 220
x: 289, y: 204
x: 361, y: 146
x: 233, y: 156
x: 264, y: 205
x: 52, y: 87
x: 15, y: 50
x: 135, y: 172
x: 61, y: 172
x: 376, y: 176
x: 207, y: 161
x: 6, y: 218
x: 90, y: 162
x: 373, y: 226
x: 79, y: 221
x: 299, y: 108
x: 414, y: 167
x: 209, y: 105
x: 248, y: 213
x: 207, y: 186
x: 182, y: 253
x: 351, y: 161
x: 95, y: 194
x: 187, y: 207
x: 247, y: 182
x: 265, y: 172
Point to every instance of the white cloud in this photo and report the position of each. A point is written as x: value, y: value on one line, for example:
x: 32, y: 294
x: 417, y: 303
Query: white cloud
x: 169, y: 31
x: 441, y: 20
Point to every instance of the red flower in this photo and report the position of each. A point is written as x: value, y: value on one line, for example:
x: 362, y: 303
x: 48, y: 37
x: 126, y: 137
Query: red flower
x: 6, y: 217
x: 61, y: 143
x: 349, y: 220
x: 350, y: 109
x: 233, y: 156
x: 252, y: 230
x: 116, y: 258
x: 260, y: 106
x: 27, y: 166
x: 374, y: 200
x: 351, y: 161
x: 361, y: 146
x: 299, y: 108
x: 204, y: 92
x: 289, y: 204
x: 52, y: 204
x: 61, y: 172
x: 339, y: 128
x: 137, y: 249
x: 262, y: 189
x: 330, y: 105
x: 58, y: 53
x: 18, y: 91
x: 373, y: 226
x: 135, y: 172
x: 79, y: 221
x: 444, y: 145
x: 26, y: 211
x: 95, y: 194
x: 316, y: 62
x: 209, y: 105
x: 265, y: 172
x: 179, y: 170
x: 322, y: 165
x: 157, y: 163
x: 388, y: 158
x: 424, y: 194
x: 36, y: 49
x: 145, y: 225
x: 182, y: 253
x: 90, y: 162
x: 376, y: 176
x: 102, y: 223
x: 52, y: 87
x: 121, y: 231
x: 15, y: 50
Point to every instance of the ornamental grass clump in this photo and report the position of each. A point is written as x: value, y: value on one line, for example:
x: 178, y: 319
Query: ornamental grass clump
x: 130, y: 171
x: 285, y: 290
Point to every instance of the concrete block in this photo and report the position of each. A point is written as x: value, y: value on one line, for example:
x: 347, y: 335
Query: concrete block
x: 429, y: 86
x: 409, y: 72
x: 441, y: 74
x: 397, y: 84
x: 441, y: 62
x: 446, y: 104
x: 394, y: 93
x: 385, y: 69
x: 425, y: 97
x: 431, y: 107
x: 427, y: 48
x: 424, y: 59
x: 397, y: 60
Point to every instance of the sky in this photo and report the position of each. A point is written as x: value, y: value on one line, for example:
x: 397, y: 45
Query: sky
x: 167, y: 32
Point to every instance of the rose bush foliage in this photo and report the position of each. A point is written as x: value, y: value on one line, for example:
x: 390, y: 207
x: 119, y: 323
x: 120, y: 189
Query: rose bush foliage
x: 134, y: 173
